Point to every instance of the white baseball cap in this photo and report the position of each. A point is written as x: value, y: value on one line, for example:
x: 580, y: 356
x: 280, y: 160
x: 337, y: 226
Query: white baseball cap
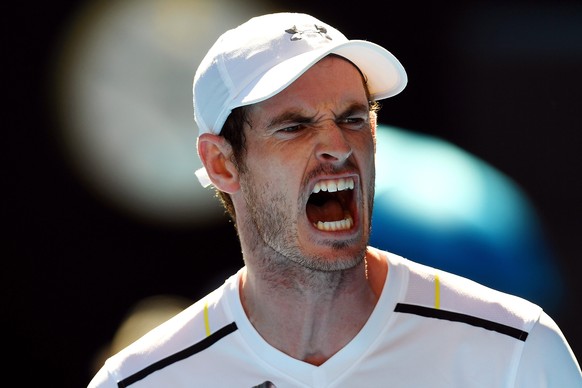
x: 264, y: 55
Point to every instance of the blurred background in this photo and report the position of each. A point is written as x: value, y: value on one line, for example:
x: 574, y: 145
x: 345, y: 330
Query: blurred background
x: 479, y: 162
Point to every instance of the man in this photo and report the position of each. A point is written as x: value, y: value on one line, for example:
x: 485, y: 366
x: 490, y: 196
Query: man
x: 286, y: 110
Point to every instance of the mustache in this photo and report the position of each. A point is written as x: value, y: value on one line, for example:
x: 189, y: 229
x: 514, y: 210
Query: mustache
x: 329, y: 169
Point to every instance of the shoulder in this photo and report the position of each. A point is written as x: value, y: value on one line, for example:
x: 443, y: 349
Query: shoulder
x: 432, y: 292
x: 547, y: 357
x: 479, y: 333
x: 191, y: 330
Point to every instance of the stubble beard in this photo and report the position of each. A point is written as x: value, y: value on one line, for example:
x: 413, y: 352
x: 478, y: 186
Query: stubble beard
x: 273, y: 233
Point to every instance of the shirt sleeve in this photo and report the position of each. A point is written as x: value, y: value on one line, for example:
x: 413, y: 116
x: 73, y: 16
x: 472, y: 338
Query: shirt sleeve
x: 547, y: 359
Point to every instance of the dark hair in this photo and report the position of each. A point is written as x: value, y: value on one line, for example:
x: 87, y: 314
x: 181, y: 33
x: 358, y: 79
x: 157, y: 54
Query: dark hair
x: 233, y: 132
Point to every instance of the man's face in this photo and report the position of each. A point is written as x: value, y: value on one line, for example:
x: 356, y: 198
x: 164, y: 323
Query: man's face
x: 308, y: 174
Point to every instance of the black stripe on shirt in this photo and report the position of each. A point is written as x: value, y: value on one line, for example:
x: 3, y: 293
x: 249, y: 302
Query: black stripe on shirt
x: 189, y: 351
x: 458, y: 317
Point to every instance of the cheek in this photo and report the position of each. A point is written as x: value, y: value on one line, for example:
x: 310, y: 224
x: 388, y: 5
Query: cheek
x: 365, y: 148
x: 278, y: 162
x: 269, y: 174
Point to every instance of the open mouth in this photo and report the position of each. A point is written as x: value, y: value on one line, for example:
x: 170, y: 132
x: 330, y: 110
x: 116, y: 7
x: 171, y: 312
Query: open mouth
x: 329, y: 206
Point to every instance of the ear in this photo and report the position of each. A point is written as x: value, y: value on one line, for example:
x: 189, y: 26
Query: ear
x: 215, y: 153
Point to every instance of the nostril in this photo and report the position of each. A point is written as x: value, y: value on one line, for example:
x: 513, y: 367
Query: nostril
x: 338, y: 154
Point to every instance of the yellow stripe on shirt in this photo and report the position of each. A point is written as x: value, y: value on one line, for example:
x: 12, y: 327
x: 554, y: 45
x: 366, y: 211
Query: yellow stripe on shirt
x: 206, y: 322
x: 437, y: 292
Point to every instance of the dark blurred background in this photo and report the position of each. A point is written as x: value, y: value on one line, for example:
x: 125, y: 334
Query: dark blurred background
x: 501, y: 80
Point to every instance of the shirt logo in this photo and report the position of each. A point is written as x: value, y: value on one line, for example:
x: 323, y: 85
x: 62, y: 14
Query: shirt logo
x: 266, y: 384
x: 297, y: 34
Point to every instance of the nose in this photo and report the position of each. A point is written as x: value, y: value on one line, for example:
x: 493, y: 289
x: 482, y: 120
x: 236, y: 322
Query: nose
x: 332, y: 147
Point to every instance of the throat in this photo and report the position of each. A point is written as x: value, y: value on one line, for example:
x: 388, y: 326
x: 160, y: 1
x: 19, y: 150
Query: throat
x: 316, y: 359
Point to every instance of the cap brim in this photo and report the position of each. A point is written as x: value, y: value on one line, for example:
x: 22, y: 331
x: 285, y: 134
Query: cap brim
x: 385, y: 74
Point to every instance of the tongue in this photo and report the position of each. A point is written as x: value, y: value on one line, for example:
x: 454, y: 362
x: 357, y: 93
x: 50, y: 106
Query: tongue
x: 329, y: 211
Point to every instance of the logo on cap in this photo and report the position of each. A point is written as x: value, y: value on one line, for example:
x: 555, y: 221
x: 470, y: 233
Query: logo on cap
x: 297, y: 34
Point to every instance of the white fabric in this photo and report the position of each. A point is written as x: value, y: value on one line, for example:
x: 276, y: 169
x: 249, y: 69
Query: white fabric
x: 393, y: 349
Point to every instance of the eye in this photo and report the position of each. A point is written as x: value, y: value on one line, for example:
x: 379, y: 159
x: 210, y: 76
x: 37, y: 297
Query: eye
x: 290, y: 129
x: 354, y: 122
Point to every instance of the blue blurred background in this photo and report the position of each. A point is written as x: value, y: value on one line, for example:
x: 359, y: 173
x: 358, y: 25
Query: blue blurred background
x: 478, y: 159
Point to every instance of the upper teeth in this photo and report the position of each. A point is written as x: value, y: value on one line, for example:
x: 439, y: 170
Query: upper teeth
x: 333, y: 185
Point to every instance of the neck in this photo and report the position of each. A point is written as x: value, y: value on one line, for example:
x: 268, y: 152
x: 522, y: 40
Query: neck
x: 310, y: 315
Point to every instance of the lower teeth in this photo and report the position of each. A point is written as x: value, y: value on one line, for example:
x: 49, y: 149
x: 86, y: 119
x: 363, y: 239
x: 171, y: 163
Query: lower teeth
x: 344, y: 224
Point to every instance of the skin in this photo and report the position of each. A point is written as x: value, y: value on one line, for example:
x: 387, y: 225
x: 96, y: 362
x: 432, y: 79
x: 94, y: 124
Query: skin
x: 317, y: 128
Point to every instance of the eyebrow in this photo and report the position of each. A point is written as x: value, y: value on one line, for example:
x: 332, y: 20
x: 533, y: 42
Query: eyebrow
x: 297, y: 117
x: 289, y: 116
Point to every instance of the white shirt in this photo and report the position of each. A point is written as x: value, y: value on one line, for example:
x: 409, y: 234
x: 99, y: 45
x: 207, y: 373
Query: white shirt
x: 429, y: 329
